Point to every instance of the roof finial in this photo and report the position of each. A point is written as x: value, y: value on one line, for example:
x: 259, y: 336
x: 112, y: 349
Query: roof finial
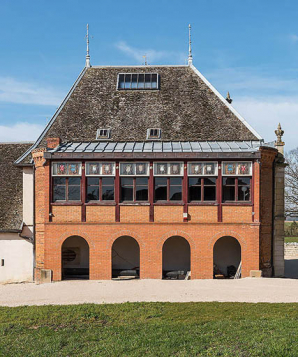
x: 229, y: 99
x: 189, y: 46
x: 87, y: 54
x: 145, y: 60
x: 279, y: 144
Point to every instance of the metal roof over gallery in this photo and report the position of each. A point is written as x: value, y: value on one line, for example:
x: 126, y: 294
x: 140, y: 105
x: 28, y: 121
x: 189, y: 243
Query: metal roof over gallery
x: 155, y: 149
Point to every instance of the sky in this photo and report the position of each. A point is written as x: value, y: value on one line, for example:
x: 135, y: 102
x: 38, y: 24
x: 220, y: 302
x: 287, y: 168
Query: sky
x: 249, y: 48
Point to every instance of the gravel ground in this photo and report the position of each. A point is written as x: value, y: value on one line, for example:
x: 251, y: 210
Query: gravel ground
x: 118, y: 291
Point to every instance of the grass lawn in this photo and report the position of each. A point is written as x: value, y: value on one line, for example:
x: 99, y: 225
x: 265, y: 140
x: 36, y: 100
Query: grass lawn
x: 150, y: 329
x: 291, y: 239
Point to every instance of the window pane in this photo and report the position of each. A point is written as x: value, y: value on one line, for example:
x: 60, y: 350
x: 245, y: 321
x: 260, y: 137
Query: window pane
x: 141, y: 193
x: 108, y: 181
x: 127, y: 181
x: 127, y: 193
x: 243, y: 181
x: 147, y: 80
x: 154, y: 81
x: 228, y: 181
x: 209, y: 181
x: 108, y: 189
x: 59, y: 193
x: 92, y: 193
x: 121, y: 81
x: 108, y: 193
x: 175, y: 181
x: 194, y: 181
x: 243, y: 193
x: 141, y: 81
x: 160, y: 189
x: 195, y: 193
x: 127, y: 81
x: 127, y: 189
x: 141, y: 189
x: 209, y: 193
x: 74, y: 181
x: 175, y: 189
x: 59, y: 181
x: 74, y: 193
x: 142, y: 181
x: 92, y: 181
x: 228, y: 193
x: 134, y: 81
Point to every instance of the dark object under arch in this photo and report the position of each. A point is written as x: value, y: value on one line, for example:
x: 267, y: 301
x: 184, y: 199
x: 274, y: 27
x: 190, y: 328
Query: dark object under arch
x: 175, y: 258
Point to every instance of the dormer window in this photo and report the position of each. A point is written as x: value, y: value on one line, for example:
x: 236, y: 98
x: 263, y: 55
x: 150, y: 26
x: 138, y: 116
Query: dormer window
x: 103, y: 134
x: 138, y: 81
x: 153, y: 134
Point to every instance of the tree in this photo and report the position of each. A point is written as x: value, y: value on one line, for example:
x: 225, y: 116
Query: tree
x: 291, y: 184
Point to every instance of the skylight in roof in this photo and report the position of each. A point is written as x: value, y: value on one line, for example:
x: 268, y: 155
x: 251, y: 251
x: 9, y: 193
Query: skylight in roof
x: 138, y: 81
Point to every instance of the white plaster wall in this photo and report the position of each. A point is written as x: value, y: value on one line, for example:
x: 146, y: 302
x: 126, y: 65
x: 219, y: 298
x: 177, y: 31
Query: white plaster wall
x: 18, y: 259
x: 176, y: 254
x: 125, y: 253
x: 227, y: 251
x: 81, y: 248
x: 28, y: 196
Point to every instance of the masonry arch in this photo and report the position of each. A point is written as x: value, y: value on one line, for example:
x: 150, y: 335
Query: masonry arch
x: 226, y: 257
x: 125, y: 257
x: 176, y: 254
x: 75, y: 258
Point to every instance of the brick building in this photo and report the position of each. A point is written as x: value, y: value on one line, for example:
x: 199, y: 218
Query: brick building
x: 148, y: 171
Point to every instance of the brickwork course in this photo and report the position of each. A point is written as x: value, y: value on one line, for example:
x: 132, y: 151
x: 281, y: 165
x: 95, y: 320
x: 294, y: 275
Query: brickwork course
x: 186, y: 109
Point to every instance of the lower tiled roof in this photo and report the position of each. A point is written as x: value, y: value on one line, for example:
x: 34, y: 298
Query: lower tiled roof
x: 11, y: 186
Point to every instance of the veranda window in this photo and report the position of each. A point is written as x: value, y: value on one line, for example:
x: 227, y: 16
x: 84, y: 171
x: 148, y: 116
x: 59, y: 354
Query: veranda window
x: 66, y: 189
x: 236, y: 184
x: 202, y: 189
x: 134, y: 189
x: 66, y: 181
x: 168, y: 189
x: 100, y: 189
x: 236, y: 189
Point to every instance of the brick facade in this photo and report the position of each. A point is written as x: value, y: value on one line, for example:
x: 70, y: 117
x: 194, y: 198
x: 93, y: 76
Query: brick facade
x: 250, y: 224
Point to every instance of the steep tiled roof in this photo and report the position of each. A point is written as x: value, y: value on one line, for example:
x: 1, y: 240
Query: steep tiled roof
x: 186, y: 108
x: 11, y: 186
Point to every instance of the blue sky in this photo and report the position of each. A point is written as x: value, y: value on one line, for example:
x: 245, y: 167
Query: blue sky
x: 247, y: 47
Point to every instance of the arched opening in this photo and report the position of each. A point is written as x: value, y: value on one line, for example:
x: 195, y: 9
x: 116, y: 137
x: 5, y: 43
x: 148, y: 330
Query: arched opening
x: 226, y: 257
x: 125, y: 258
x: 175, y: 258
x: 75, y: 258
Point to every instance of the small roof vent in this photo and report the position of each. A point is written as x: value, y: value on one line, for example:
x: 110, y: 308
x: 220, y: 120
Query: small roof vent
x: 153, y: 134
x: 103, y: 134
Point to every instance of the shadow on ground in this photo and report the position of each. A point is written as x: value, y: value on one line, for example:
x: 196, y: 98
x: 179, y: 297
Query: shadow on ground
x: 291, y: 268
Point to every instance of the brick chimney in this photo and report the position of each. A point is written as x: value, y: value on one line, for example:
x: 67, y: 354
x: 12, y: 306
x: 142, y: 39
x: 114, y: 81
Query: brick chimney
x: 52, y: 143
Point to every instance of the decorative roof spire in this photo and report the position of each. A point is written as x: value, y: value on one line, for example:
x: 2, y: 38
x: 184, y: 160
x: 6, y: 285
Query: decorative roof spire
x: 279, y: 144
x: 189, y: 46
x: 229, y: 99
x: 88, y: 65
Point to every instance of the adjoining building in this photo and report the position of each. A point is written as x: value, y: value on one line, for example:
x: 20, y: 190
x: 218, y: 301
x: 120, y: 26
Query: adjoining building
x: 148, y: 171
x: 16, y: 216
